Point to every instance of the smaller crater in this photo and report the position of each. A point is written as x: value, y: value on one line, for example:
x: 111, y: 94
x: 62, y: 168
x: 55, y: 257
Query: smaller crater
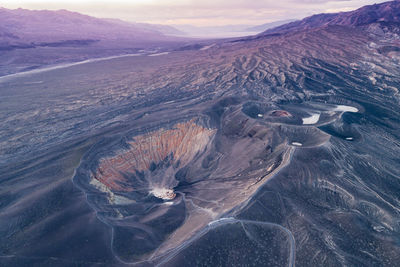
x: 303, y: 136
x: 280, y: 113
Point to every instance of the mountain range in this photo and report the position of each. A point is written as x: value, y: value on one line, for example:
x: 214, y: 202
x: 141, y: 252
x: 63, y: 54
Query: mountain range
x: 33, y: 38
x: 22, y: 25
x: 386, y: 13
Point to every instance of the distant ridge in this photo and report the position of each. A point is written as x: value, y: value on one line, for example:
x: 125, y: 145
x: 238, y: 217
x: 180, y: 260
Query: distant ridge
x: 31, y: 39
x: 227, y: 30
x: 266, y: 26
x: 388, y: 12
x: 22, y: 26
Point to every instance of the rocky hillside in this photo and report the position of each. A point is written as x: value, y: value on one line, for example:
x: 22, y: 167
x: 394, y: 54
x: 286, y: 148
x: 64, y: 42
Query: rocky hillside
x: 384, y: 13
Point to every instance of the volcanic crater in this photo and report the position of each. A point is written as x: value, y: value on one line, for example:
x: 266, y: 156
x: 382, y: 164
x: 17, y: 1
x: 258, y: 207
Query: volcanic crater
x: 166, y: 184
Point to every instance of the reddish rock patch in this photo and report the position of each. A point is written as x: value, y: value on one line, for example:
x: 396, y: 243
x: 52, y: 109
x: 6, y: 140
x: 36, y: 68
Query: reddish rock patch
x: 182, y: 142
x: 280, y: 113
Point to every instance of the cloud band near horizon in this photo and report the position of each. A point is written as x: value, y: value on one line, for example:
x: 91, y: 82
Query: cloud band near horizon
x: 198, y: 13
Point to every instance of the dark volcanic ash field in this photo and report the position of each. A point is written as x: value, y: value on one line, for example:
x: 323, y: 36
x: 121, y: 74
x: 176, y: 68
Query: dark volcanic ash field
x: 275, y: 150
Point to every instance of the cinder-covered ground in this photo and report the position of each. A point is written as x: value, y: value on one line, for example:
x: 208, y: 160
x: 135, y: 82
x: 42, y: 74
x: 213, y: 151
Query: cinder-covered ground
x: 276, y: 150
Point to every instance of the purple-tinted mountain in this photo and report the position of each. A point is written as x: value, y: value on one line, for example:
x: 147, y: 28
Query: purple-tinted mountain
x: 25, y: 26
x: 30, y: 39
x: 270, y: 25
x: 384, y: 13
x: 226, y: 31
x: 164, y: 29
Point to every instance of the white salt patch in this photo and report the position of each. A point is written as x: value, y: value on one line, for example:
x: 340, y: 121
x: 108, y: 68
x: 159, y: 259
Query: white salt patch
x: 312, y: 119
x: 163, y: 193
x: 159, y: 54
x: 345, y: 108
x: 260, y: 115
x: 297, y: 144
x: 207, y: 47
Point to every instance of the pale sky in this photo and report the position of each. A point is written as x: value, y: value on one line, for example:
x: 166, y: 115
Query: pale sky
x: 195, y: 12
